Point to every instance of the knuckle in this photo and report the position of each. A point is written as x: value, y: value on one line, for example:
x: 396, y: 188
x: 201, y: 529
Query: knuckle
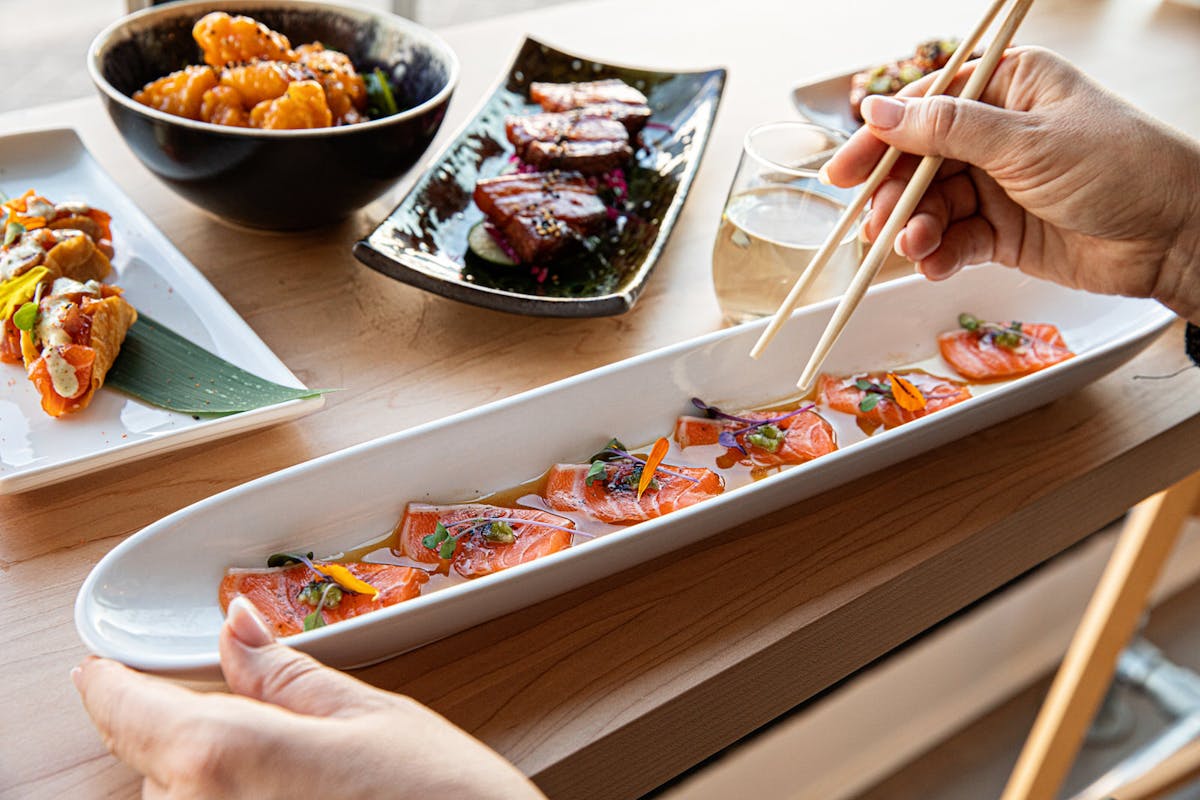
x: 206, y: 758
x: 941, y: 118
x: 287, y: 675
x: 1039, y: 56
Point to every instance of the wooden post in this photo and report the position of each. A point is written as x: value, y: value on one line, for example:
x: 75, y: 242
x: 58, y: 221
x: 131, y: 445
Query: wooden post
x: 1108, y: 623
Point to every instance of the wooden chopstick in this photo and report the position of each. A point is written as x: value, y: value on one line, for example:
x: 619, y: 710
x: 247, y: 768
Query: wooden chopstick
x: 908, y: 202
x: 942, y: 82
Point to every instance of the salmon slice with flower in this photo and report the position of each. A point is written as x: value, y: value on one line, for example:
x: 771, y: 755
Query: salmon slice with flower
x: 986, y: 351
x: 614, y: 487
x: 890, y: 398
x: 478, y: 539
x: 758, y: 438
x: 299, y: 595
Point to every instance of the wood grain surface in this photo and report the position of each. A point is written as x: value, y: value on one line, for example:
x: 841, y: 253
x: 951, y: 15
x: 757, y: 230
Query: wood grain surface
x: 617, y: 686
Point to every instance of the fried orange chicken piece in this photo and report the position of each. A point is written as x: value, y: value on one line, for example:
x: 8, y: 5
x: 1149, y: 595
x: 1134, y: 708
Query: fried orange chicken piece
x: 232, y: 40
x: 180, y: 93
x: 262, y: 80
x: 345, y: 90
x: 302, y: 106
x: 223, y: 105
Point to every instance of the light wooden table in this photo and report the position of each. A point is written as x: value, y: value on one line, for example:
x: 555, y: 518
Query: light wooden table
x: 619, y: 685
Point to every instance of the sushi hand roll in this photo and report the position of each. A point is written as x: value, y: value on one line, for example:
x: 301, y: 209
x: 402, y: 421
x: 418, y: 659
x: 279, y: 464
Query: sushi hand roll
x: 70, y: 339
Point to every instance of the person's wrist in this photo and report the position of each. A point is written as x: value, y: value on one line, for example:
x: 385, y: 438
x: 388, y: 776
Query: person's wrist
x: 1178, y: 283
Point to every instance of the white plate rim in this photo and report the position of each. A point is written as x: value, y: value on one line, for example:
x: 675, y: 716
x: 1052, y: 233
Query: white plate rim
x: 1155, y: 321
x: 21, y: 479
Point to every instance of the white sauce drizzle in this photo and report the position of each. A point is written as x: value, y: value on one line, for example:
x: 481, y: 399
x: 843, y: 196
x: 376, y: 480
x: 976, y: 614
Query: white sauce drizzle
x: 62, y: 374
x: 54, y: 309
x: 20, y: 257
x: 38, y: 207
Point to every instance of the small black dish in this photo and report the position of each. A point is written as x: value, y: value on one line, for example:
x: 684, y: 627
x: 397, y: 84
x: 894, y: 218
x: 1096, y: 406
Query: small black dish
x: 424, y: 240
x: 278, y: 179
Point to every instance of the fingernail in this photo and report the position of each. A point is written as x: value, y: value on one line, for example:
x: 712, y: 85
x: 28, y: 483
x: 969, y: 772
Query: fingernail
x: 882, y: 112
x: 823, y: 176
x: 76, y: 677
x: 247, y: 625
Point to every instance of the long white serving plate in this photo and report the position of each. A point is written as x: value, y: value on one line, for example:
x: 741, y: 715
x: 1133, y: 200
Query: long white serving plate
x: 152, y: 601
x: 36, y: 449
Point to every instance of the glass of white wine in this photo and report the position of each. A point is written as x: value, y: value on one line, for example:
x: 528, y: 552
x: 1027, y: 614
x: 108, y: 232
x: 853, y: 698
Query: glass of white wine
x: 776, y: 217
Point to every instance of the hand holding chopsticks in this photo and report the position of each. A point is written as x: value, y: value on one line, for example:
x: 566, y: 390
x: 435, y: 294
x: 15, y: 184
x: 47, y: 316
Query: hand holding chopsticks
x: 917, y: 186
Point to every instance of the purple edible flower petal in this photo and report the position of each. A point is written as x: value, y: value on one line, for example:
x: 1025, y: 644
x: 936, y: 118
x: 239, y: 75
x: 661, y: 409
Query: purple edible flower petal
x: 729, y: 439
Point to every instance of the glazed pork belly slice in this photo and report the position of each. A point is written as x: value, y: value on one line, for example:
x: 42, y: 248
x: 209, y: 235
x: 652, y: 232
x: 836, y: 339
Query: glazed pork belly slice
x: 633, y: 116
x: 587, y: 157
x: 541, y: 214
x: 565, y: 96
x: 569, y: 141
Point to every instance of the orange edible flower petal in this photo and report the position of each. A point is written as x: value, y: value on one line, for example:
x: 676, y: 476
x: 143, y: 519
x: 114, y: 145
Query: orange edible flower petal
x: 657, y: 454
x: 907, y: 396
x: 346, y: 579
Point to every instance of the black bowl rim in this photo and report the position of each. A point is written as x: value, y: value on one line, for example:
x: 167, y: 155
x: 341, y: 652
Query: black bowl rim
x: 178, y: 9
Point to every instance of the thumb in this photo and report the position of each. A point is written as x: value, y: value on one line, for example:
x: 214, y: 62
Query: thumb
x: 257, y: 666
x: 962, y: 130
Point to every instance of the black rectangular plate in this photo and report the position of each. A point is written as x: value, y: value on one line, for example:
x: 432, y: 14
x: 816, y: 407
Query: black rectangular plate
x: 423, y: 241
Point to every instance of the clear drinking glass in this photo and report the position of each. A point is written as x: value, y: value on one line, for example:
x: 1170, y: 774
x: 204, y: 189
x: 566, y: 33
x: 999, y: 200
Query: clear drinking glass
x: 776, y: 217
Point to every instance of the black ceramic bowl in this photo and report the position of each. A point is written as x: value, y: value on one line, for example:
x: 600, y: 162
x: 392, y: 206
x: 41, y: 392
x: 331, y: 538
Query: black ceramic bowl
x: 279, y: 179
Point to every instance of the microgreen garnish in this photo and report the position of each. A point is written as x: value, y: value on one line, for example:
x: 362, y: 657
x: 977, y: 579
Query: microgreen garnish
x: 315, y: 619
x: 493, y: 529
x: 26, y: 316
x: 874, y: 392
x: 615, y: 451
x: 336, y: 573
x: 380, y: 100
x: 1010, y: 336
x: 12, y: 231
x: 753, y: 431
x: 287, y: 559
x: 596, y: 472
x: 896, y: 388
x: 441, y: 542
x: 612, y: 451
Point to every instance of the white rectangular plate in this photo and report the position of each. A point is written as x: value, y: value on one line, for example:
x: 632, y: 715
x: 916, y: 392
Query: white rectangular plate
x: 36, y: 449
x: 826, y: 101
x: 152, y: 601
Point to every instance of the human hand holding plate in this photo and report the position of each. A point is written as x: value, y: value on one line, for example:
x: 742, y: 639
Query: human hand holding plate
x: 292, y: 728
